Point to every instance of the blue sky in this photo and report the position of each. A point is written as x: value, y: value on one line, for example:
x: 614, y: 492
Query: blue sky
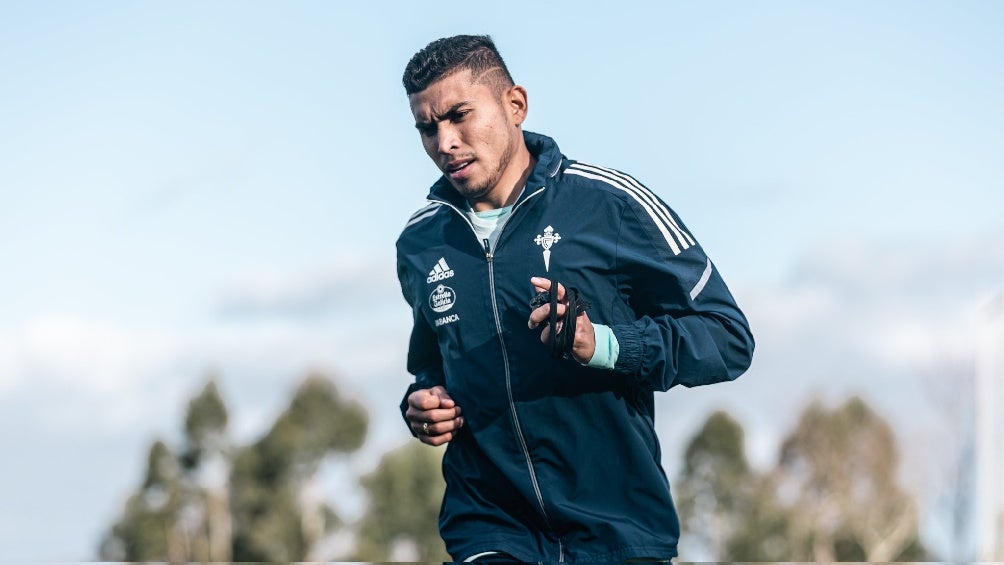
x: 189, y: 188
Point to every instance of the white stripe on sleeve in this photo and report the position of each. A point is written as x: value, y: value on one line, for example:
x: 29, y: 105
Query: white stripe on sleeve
x: 477, y: 556
x: 700, y: 284
x: 659, y: 223
x: 424, y: 213
x: 649, y: 197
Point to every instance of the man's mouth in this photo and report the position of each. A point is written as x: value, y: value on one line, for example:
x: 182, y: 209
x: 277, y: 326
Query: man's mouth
x: 457, y: 169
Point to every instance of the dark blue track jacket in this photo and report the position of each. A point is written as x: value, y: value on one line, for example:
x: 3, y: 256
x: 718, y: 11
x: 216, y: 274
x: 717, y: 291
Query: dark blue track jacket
x: 558, y: 461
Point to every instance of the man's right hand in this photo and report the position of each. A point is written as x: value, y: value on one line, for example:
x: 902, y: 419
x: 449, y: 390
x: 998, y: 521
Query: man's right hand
x: 433, y: 406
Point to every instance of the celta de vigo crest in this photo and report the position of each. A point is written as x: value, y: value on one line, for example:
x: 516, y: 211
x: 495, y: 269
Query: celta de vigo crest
x: 546, y: 240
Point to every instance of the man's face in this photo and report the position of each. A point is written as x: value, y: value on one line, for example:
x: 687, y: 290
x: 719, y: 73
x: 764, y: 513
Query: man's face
x: 469, y: 130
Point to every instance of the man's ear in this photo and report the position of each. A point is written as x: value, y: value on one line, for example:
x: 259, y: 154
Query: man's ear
x: 516, y: 104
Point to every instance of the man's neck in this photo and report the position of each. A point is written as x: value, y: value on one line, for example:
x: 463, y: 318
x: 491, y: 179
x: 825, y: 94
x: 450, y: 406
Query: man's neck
x: 525, y: 162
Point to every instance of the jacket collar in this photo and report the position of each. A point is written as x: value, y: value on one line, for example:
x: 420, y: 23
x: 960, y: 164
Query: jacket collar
x: 549, y: 161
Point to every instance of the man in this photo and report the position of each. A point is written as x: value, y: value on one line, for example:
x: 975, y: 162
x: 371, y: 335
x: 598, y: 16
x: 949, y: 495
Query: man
x: 552, y: 455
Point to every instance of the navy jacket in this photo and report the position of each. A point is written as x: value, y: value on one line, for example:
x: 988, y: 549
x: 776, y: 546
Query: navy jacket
x: 558, y: 461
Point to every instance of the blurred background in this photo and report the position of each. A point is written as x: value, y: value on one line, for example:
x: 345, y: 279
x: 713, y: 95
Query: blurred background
x: 202, y: 339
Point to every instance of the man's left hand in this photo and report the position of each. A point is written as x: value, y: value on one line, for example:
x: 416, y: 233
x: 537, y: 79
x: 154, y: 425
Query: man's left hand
x: 584, y: 343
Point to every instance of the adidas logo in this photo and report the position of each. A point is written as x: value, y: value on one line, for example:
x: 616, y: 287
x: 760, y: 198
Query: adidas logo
x: 440, y: 271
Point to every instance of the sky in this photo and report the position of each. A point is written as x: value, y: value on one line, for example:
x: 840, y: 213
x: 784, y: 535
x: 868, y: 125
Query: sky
x: 193, y: 189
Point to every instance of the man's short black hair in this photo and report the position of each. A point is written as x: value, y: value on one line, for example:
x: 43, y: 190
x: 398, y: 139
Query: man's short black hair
x: 448, y: 55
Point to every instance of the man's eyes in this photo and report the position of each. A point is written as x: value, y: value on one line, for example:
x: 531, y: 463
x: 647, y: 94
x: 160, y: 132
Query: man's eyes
x: 429, y: 130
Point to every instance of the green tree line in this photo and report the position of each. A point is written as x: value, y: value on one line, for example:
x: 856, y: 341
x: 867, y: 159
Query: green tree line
x: 831, y: 496
x: 210, y: 500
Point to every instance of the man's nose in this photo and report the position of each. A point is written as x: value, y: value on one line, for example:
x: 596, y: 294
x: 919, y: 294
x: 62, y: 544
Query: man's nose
x: 449, y: 140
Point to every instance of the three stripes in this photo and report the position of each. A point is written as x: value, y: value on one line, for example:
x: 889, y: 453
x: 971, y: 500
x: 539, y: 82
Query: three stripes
x: 423, y: 213
x: 677, y: 237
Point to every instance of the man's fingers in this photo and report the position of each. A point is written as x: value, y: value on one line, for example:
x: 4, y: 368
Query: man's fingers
x: 437, y: 433
x: 445, y: 401
x: 418, y: 419
x: 433, y: 422
x: 538, y: 315
x: 436, y: 440
x: 433, y: 416
x: 430, y: 398
x: 545, y: 335
x: 438, y: 428
x: 543, y: 284
x: 422, y: 400
x: 542, y: 314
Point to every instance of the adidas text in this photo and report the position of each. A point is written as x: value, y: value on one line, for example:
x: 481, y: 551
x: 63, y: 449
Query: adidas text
x: 439, y: 271
x: 439, y: 276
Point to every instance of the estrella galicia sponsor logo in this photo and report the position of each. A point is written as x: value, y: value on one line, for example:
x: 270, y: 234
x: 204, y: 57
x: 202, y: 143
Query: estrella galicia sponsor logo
x: 440, y: 271
x: 447, y: 320
x: 442, y: 298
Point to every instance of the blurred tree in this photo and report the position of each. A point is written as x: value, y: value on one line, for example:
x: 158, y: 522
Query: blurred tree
x: 205, y: 426
x: 716, y: 488
x: 402, y: 520
x: 278, y: 515
x: 837, y: 475
x: 834, y: 495
x: 762, y: 533
x: 213, y: 502
x: 205, y: 464
x: 148, y: 529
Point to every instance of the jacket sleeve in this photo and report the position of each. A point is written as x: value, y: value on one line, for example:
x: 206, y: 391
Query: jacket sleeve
x: 688, y: 328
x: 424, y: 359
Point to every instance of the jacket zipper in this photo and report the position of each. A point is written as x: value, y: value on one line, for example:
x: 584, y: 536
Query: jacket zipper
x: 490, y: 258
x: 508, y: 381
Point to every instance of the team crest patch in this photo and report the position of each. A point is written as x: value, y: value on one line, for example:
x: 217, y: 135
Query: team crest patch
x: 442, y: 299
x: 546, y: 240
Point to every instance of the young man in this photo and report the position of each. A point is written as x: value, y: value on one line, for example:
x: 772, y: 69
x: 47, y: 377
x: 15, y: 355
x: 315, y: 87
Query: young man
x: 552, y: 451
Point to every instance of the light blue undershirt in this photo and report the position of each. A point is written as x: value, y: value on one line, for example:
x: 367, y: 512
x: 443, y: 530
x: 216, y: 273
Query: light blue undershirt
x: 487, y: 225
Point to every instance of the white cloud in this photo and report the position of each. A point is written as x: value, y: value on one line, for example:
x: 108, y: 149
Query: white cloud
x: 349, y: 285
x: 89, y: 354
x: 346, y: 318
x: 890, y: 306
x: 81, y: 375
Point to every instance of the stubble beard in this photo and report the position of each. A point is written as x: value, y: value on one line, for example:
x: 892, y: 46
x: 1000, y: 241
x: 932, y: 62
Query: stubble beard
x: 475, y: 193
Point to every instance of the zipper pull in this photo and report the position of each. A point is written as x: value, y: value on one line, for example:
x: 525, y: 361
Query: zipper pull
x: 488, y: 250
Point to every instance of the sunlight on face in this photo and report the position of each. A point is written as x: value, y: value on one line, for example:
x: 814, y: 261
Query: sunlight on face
x: 469, y: 132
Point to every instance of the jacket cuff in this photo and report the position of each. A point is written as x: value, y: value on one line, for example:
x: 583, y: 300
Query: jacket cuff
x: 404, y: 405
x: 632, y: 349
x: 606, y: 348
